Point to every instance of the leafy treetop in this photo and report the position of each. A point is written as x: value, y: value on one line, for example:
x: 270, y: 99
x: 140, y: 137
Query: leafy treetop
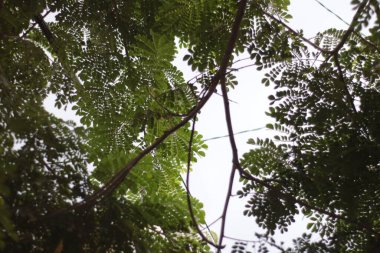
x: 113, y: 60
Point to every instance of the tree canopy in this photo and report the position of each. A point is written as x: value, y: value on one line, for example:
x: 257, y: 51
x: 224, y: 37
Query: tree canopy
x: 114, y: 182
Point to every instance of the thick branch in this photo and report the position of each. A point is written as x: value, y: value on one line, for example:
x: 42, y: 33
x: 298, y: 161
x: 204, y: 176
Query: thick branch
x: 44, y: 28
x: 117, y: 179
x: 34, y: 24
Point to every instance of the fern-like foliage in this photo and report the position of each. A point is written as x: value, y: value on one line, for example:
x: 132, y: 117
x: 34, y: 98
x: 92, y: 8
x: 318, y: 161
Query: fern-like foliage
x: 327, y: 154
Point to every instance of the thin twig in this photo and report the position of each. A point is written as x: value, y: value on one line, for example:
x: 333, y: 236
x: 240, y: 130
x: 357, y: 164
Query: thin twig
x: 220, y: 95
x: 237, y: 133
x: 189, y: 205
x: 329, y: 10
x: 234, y: 156
x: 349, y: 96
x: 199, y: 74
x: 242, y: 67
x: 242, y: 59
x: 226, y: 203
x: 257, y: 241
x: 350, y: 29
x: 294, y: 32
x: 273, y: 244
x: 361, y: 36
x: 316, y: 59
x: 212, y: 223
x: 241, y: 240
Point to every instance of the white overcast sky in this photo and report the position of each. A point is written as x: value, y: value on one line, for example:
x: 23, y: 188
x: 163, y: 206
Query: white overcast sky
x: 209, y: 179
x: 210, y: 175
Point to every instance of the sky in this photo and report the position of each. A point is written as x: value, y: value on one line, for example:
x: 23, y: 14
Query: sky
x: 209, y: 178
x: 210, y: 175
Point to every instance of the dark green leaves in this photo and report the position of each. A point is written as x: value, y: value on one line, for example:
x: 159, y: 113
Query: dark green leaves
x: 326, y: 155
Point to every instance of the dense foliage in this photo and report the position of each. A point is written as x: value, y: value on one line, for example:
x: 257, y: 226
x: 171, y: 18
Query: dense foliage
x: 113, y: 183
x: 325, y: 161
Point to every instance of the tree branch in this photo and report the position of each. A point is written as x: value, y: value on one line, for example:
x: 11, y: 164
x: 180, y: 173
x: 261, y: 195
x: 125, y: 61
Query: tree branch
x: 241, y: 240
x: 44, y: 28
x: 188, y: 195
x: 349, y: 97
x: 294, y: 32
x: 286, y: 196
x: 234, y: 156
x: 369, y: 43
x: 33, y: 25
x: 212, y: 223
x: 58, y: 51
x: 118, y: 178
x: 350, y: 29
x: 226, y: 203
x: 222, y: 71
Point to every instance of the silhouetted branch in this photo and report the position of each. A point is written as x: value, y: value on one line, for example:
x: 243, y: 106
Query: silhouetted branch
x: 212, y: 223
x: 188, y: 195
x: 369, y: 43
x: 349, y: 31
x: 226, y: 203
x: 234, y: 153
x: 44, y: 28
x: 294, y: 32
x: 241, y: 240
x: 57, y: 50
x: 118, y: 178
x: 34, y: 24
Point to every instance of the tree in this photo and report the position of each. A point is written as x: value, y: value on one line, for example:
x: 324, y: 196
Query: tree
x: 113, y: 61
x: 325, y: 163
